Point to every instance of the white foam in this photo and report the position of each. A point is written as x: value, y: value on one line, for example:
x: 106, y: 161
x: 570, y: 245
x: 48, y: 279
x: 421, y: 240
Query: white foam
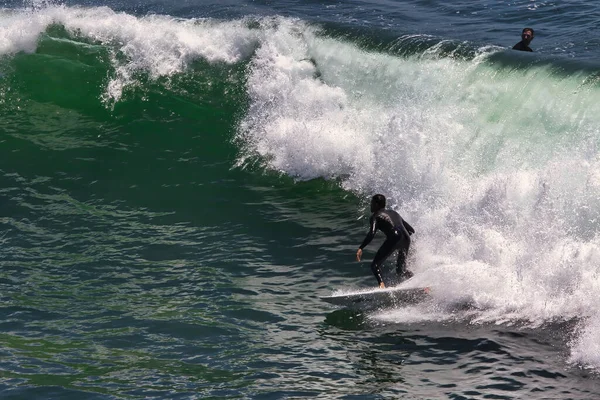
x: 412, y: 315
x: 585, y: 347
x: 157, y: 45
x: 19, y: 31
x: 497, y: 169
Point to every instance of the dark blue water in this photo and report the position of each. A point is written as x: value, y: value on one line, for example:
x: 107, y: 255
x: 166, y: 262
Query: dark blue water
x: 180, y: 183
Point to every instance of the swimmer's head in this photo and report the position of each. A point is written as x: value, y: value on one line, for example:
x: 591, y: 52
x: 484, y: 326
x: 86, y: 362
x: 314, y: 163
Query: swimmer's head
x: 377, y: 202
x: 527, y: 35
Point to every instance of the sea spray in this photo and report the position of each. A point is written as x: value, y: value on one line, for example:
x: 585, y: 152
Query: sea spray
x: 496, y: 167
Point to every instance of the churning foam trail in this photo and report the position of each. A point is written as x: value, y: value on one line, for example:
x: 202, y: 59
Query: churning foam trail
x: 157, y: 45
x: 498, y: 169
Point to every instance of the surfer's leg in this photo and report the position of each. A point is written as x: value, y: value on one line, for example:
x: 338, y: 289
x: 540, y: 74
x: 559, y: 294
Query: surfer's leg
x: 384, y: 252
x: 403, y: 246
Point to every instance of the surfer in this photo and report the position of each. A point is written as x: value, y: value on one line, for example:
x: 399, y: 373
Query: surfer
x: 397, y: 232
x: 526, y: 38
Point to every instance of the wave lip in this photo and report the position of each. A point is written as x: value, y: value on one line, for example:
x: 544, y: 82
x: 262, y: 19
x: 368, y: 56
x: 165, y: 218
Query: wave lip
x: 157, y: 45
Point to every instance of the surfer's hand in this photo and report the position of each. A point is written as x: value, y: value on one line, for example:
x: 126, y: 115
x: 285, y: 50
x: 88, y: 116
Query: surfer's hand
x: 382, y: 285
x: 358, y: 254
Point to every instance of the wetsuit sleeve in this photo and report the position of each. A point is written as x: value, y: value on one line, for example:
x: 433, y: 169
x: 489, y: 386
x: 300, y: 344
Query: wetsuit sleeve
x: 409, y: 228
x: 371, y: 233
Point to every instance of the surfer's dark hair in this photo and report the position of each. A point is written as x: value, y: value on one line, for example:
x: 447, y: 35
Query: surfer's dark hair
x: 528, y: 29
x: 378, y: 201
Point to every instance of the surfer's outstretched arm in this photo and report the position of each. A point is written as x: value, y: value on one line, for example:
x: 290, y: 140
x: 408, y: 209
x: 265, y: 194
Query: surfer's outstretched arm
x: 368, y: 238
x: 370, y: 234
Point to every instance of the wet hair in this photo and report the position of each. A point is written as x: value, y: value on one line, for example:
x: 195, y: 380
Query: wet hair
x: 528, y: 29
x: 377, y: 202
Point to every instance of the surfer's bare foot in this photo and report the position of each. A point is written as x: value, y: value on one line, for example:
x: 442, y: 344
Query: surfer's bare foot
x: 382, y: 285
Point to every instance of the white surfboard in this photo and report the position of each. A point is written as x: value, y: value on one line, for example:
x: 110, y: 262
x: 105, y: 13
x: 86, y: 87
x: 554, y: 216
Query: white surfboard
x: 372, y: 298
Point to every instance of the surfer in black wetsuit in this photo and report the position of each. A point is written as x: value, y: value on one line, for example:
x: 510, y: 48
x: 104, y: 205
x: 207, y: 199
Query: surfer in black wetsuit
x: 526, y: 38
x: 397, y: 232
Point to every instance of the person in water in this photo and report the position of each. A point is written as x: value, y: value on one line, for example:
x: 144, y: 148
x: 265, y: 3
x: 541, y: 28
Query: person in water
x: 397, y: 232
x: 526, y: 38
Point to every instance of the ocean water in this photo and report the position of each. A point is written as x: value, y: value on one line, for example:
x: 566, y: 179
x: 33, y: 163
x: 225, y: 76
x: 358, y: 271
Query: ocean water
x: 179, y: 183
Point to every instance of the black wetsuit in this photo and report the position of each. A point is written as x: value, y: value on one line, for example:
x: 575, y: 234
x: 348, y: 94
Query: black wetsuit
x: 398, y: 234
x: 521, y: 46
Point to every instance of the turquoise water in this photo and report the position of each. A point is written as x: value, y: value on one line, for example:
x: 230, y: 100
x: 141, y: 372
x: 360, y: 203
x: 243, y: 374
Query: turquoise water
x: 179, y: 185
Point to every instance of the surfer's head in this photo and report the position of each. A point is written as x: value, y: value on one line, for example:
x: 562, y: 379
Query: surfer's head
x: 377, y: 202
x: 527, y: 35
